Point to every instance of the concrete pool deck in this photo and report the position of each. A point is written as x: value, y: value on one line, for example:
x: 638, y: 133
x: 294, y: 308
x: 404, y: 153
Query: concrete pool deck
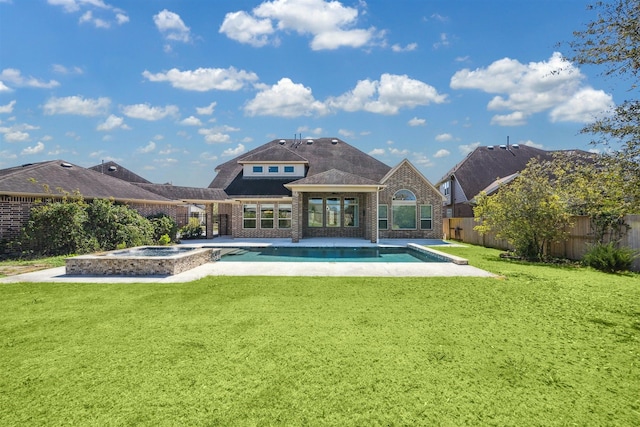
x: 336, y: 269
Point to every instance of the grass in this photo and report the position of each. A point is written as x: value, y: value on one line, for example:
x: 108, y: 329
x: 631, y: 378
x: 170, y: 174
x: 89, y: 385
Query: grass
x: 541, y: 345
x: 10, y: 267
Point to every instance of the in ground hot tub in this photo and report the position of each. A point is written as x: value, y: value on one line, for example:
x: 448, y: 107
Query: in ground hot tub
x: 141, y: 261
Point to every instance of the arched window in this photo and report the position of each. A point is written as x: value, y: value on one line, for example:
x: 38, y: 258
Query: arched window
x: 403, y: 209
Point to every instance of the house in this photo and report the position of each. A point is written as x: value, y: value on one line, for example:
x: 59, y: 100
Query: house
x: 324, y: 187
x: 286, y: 188
x: 485, y: 168
x: 25, y: 186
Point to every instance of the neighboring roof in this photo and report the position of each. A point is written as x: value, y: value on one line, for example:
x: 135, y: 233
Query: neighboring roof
x: 115, y: 170
x: 187, y: 194
x: 322, y: 154
x: 486, y: 164
x: 58, y: 175
x: 495, y: 185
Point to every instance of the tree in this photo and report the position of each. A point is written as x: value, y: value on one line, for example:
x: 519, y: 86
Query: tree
x: 612, y: 40
x: 117, y: 225
x: 527, y: 212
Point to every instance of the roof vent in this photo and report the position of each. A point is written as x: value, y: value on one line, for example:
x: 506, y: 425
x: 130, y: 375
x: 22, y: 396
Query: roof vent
x: 490, y: 147
x: 516, y: 146
x: 66, y: 165
x: 26, y: 164
x: 334, y: 141
x: 282, y: 141
x: 112, y: 168
x: 309, y: 141
x: 503, y: 147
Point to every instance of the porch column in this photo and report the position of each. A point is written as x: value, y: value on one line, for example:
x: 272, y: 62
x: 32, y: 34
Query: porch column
x: 296, y: 216
x: 209, y: 226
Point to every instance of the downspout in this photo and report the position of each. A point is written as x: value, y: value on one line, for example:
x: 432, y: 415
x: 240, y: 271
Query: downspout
x: 375, y: 217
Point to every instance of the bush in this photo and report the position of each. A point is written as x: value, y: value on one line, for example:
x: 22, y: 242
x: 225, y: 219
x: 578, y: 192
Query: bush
x: 164, y: 240
x: 116, y: 225
x: 192, y: 230
x: 609, y: 258
x: 163, y: 225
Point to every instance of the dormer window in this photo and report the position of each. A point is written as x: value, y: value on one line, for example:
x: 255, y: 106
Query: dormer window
x: 257, y: 169
x: 288, y: 169
x: 273, y: 169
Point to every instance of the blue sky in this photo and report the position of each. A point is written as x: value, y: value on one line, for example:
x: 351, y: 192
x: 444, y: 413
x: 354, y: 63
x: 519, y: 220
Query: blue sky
x: 172, y: 88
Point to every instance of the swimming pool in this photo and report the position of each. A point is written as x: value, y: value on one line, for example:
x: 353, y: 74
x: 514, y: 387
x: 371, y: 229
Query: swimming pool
x: 329, y: 254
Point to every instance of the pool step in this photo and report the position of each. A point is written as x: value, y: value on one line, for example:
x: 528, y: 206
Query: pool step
x: 232, y: 251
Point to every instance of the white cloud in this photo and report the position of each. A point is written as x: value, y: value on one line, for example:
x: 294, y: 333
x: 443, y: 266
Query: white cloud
x: 398, y: 152
x: 346, y: 133
x: 15, y: 135
x: 583, y: 107
x: 517, y: 118
x: 15, y: 78
x: 466, y: 149
x: 112, y: 122
x: 441, y: 153
x: 388, y: 95
x: 417, y: 122
x: 421, y: 160
x: 442, y: 42
x: 4, y: 88
x: 38, y: 148
x: 244, y: 28
x: 377, y: 152
x: 285, y: 99
x: 208, y: 156
x: 408, y: 48
x: 330, y: 24
x: 530, y: 143
x: 206, y: 111
x: 8, y: 108
x: 147, y: 112
x: 151, y: 146
x: 61, y: 69
x: 191, y: 121
x: 171, y: 26
x: 204, y: 79
x: 214, y: 136
x: 77, y: 105
x: 232, y: 152
x: 526, y: 89
x: 109, y: 14
x: 443, y: 137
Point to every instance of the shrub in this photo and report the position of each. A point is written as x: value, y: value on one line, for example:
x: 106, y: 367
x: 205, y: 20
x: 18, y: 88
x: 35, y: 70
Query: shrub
x: 163, y: 225
x: 164, y: 240
x: 609, y: 258
x: 116, y: 225
x: 192, y: 230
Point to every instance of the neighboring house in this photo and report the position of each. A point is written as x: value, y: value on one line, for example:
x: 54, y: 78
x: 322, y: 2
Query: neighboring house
x: 23, y: 187
x: 483, y: 169
x: 324, y: 187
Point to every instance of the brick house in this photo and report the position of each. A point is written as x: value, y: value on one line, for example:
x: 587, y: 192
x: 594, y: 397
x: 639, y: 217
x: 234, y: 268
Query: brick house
x: 295, y: 188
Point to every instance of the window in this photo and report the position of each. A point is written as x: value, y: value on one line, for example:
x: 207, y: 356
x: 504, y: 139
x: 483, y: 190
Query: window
x: 257, y: 169
x: 426, y: 217
x: 350, y: 212
x: 333, y: 212
x: 273, y: 169
x: 445, y: 188
x: 284, y: 216
x: 315, y: 213
x: 383, y: 217
x: 288, y: 169
x: 249, y: 216
x: 403, y: 210
x: 266, y: 216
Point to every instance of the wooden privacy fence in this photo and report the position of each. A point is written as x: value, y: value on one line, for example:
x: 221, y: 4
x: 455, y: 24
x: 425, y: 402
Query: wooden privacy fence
x: 573, y: 248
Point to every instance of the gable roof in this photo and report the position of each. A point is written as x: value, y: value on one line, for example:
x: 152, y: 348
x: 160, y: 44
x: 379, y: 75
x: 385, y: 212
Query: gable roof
x: 115, y: 170
x: 487, y: 164
x: 30, y: 179
x: 407, y: 163
x: 322, y: 155
x: 335, y: 177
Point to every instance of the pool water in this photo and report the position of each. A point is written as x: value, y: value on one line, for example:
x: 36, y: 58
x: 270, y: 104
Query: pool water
x: 329, y: 254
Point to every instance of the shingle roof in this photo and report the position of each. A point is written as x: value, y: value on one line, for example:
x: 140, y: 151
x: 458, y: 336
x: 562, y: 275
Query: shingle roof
x: 115, y: 170
x: 484, y: 165
x: 59, y: 175
x: 323, y: 154
x: 273, y: 153
x: 335, y: 177
x: 191, y: 194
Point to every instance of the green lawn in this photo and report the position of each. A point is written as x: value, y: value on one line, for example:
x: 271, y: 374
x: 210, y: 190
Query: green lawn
x: 542, y: 345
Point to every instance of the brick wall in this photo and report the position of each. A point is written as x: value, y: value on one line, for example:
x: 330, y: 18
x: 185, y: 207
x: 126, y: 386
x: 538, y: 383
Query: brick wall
x: 261, y: 233
x: 408, y: 178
